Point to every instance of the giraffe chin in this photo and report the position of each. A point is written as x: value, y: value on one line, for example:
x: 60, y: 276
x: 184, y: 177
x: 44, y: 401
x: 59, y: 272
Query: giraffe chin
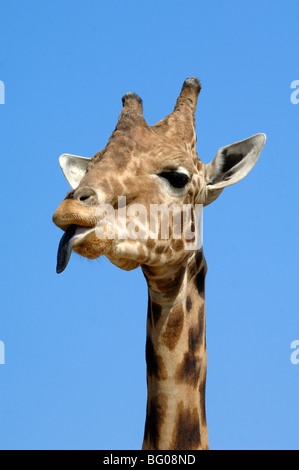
x: 124, y: 263
x: 86, y: 243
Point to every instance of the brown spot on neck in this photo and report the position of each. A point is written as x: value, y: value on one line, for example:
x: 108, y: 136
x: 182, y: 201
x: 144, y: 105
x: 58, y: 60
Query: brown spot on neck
x: 188, y: 303
x: 188, y: 371
x: 174, y: 327
x: 154, y: 362
x: 156, y: 312
x: 196, y: 263
x: 200, y: 281
x: 155, y: 415
x: 186, y: 432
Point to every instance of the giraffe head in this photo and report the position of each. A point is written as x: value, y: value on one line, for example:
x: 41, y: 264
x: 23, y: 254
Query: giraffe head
x: 141, y: 168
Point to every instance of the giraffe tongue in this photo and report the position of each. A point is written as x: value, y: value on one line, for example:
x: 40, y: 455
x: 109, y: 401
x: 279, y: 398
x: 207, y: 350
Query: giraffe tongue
x: 65, y: 248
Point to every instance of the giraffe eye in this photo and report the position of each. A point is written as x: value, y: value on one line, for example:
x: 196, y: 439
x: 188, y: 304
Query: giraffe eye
x: 175, y: 178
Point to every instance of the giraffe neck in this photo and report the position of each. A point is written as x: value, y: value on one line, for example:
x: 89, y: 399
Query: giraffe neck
x: 176, y: 357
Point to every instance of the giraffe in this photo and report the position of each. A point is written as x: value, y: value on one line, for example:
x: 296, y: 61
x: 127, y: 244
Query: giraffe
x: 147, y: 165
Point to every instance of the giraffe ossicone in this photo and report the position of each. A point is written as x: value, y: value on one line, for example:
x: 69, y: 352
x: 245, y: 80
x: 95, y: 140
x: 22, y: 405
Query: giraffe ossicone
x: 108, y: 213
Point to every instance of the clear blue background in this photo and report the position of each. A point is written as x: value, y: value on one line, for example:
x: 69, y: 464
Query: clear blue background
x: 74, y: 376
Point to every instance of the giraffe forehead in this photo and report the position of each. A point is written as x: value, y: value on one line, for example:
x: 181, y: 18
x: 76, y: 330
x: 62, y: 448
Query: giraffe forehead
x: 135, y: 160
x: 146, y: 147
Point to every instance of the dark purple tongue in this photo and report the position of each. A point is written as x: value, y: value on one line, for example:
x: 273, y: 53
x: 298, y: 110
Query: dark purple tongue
x: 65, y: 249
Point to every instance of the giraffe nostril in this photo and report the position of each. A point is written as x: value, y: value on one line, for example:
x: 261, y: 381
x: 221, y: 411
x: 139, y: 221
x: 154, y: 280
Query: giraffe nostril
x: 86, y: 195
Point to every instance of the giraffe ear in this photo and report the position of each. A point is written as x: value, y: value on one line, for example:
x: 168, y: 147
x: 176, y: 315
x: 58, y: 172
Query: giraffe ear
x: 231, y: 164
x: 73, y: 167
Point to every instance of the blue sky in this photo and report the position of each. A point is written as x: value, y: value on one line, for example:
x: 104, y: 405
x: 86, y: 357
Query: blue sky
x: 74, y: 372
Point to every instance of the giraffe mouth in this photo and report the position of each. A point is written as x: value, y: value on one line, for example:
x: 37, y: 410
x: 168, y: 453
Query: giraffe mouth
x: 70, y: 236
